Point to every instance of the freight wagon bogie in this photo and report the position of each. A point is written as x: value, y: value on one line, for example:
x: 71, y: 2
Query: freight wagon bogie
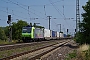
x: 27, y: 39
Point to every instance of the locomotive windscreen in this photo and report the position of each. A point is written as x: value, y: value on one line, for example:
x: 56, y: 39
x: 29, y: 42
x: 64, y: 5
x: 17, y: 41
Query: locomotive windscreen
x: 26, y: 30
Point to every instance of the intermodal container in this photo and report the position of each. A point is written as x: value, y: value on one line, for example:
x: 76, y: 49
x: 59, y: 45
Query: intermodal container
x: 65, y: 35
x: 47, y: 33
x: 57, y: 34
x: 53, y: 34
x: 61, y: 35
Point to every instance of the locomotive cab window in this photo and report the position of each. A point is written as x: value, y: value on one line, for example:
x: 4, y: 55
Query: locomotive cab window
x: 26, y: 30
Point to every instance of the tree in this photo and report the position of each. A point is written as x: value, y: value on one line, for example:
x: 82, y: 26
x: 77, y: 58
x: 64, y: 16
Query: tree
x: 6, y: 30
x: 84, y: 35
x: 17, y: 29
x: 68, y: 35
x: 2, y: 34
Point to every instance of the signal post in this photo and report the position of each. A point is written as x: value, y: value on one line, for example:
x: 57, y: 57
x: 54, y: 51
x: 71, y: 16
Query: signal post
x: 10, y: 28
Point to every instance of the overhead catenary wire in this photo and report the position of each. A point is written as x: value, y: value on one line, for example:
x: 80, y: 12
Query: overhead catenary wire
x: 29, y: 13
x: 44, y: 6
x: 53, y: 3
x: 60, y: 13
x: 64, y: 14
x: 7, y: 11
x: 25, y: 9
x: 63, y: 9
x: 33, y: 10
x: 55, y: 8
x: 22, y: 7
x: 27, y: 5
x: 12, y: 14
x: 30, y: 8
x: 9, y: 1
x: 45, y: 10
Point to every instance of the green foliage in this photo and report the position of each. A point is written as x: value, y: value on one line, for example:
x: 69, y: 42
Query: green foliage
x: 17, y: 29
x: 72, y: 55
x: 84, y: 35
x: 80, y: 38
x: 6, y: 30
x: 87, y: 54
x: 2, y: 34
x: 68, y: 35
x: 79, y: 55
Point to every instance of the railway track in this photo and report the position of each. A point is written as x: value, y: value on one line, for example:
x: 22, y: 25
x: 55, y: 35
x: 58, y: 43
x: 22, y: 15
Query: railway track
x: 35, y: 54
x: 20, y: 45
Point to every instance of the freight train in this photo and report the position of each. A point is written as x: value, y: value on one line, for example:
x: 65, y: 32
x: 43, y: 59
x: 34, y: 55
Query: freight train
x: 30, y: 33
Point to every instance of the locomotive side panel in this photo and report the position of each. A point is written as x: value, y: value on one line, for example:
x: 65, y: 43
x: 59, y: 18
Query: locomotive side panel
x: 38, y: 33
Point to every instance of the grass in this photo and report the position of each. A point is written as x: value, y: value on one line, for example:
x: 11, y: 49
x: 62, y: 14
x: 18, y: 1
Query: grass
x: 7, y: 42
x: 82, y: 53
x: 7, y: 53
x: 71, y: 56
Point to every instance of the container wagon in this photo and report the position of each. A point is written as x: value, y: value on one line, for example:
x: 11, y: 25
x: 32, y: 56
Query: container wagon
x: 47, y: 34
x: 54, y: 35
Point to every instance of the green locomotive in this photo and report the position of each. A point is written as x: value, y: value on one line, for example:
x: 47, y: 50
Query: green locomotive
x: 30, y: 33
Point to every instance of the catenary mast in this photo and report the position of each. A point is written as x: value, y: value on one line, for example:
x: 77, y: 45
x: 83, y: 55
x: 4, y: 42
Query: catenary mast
x: 77, y: 16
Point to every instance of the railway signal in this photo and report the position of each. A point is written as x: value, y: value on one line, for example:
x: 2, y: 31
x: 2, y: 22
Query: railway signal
x: 9, y: 19
x: 75, y: 30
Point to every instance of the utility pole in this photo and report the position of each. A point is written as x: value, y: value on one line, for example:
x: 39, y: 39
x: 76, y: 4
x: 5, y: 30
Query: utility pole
x: 77, y: 16
x: 60, y: 27
x: 67, y: 31
x: 49, y: 21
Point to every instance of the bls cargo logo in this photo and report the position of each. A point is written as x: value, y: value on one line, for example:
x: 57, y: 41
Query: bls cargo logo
x: 38, y: 35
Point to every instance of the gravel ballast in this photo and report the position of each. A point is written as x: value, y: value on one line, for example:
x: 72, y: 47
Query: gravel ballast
x: 62, y: 52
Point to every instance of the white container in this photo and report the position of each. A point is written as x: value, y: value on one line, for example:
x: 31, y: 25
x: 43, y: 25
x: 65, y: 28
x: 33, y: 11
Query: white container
x: 61, y: 35
x: 57, y: 34
x: 47, y: 33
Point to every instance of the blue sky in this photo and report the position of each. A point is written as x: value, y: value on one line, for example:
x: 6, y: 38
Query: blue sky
x: 27, y: 10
